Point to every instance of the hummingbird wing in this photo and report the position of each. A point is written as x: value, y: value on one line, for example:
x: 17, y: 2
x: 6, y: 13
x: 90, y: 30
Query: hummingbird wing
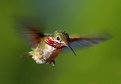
x: 82, y: 42
x: 27, y: 27
x: 32, y: 35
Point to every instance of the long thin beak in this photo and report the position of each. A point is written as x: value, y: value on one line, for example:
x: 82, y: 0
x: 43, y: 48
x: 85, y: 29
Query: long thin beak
x: 70, y: 48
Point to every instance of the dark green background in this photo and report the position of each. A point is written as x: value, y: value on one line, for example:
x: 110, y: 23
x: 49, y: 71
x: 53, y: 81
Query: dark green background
x: 100, y: 64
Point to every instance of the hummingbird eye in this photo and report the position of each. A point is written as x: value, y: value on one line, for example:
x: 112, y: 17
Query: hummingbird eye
x: 58, y: 38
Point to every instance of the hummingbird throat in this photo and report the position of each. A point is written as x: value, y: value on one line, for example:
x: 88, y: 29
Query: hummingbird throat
x: 57, y: 45
x: 54, y: 44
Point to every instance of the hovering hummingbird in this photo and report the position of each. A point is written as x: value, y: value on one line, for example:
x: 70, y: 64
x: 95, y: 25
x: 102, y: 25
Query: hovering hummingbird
x: 46, y: 47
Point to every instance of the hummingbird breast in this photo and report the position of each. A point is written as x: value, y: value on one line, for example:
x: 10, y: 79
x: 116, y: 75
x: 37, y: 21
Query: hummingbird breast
x: 53, y: 55
x: 50, y: 53
x: 44, y: 53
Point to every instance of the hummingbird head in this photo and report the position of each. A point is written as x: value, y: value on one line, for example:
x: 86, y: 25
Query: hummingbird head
x: 61, y: 37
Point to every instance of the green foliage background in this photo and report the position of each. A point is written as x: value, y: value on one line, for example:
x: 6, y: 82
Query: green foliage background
x: 100, y: 64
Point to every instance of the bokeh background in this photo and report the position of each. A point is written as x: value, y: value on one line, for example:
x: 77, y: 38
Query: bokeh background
x: 100, y: 64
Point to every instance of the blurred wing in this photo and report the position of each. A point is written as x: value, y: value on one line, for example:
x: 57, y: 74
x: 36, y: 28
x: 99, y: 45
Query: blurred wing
x: 32, y: 35
x: 82, y: 42
x: 27, y: 28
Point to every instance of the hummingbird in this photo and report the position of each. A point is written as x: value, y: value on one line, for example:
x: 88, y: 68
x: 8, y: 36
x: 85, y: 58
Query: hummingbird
x: 46, y: 47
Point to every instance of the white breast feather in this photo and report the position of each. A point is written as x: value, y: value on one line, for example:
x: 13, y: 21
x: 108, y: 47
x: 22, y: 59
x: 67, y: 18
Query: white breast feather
x: 48, y: 51
x: 40, y: 55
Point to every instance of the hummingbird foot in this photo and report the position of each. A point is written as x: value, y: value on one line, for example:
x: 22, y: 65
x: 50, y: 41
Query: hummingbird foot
x: 52, y: 63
